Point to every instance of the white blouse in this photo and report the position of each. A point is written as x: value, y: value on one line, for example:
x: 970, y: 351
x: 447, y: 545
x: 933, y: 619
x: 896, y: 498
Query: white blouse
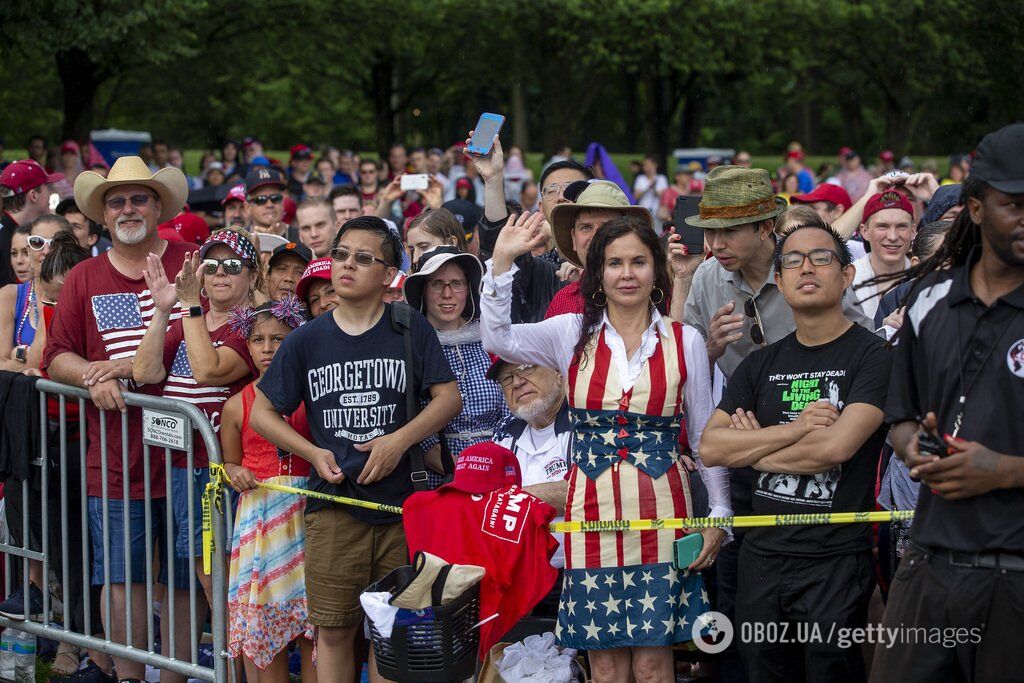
x: 550, y: 343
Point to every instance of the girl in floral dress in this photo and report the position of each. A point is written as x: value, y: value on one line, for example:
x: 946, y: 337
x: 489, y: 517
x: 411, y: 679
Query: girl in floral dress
x: 267, y: 594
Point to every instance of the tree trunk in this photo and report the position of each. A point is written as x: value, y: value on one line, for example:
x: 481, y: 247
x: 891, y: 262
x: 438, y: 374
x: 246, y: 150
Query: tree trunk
x: 662, y: 110
x: 520, y: 124
x: 632, y: 85
x: 80, y: 79
x: 382, y: 92
x: 689, y: 123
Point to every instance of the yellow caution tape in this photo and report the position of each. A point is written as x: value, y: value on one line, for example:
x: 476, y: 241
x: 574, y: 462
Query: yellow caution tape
x: 742, y: 521
x: 219, y: 479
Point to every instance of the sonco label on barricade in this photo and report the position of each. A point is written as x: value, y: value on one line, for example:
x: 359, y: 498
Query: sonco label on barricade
x: 165, y: 429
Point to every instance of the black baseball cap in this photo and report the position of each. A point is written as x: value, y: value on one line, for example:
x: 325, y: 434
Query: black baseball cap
x: 999, y: 160
x: 467, y: 213
x: 261, y: 176
x: 293, y: 248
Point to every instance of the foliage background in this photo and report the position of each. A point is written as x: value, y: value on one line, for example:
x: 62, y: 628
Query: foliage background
x: 928, y: 76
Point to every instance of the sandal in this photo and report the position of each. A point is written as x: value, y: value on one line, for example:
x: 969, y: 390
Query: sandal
x: 66, y: 661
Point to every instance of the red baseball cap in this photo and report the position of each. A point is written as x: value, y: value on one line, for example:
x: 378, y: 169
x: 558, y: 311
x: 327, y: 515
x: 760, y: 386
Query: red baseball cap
x: 318, y: 269
x: 826, y: 192
x: 235, y: 194
x: 887, y: 155
x: 288, y: 217
x: 890, y: 199
x: 795, y: 154
x: 21, y: 176
x: 844, y: 151
x: 301, y: 152
x: 492, y: 370
x: 485, y: 467
x: 188, y: 226
x: 70, y: 146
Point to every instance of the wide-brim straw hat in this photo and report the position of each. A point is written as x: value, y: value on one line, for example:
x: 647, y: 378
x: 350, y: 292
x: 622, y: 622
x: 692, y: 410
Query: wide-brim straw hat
x: 734, y: 195
x: 169, y: 184
x: 600, y: 194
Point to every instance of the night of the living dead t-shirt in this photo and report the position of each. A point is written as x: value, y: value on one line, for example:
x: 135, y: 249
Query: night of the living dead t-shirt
x: 777, y: 383
x: 353, y: 388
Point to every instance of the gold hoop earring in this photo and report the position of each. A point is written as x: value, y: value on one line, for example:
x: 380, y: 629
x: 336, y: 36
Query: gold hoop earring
x: 661, y: 296
x: 603, y: 302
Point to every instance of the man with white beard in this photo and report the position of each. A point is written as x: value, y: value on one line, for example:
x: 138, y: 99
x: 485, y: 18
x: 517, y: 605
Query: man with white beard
x: 104, y: 310
x: 538, y: 432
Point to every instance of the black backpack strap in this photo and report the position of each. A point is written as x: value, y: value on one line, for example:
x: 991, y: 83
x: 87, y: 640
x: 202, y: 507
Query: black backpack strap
x: 401, y: 318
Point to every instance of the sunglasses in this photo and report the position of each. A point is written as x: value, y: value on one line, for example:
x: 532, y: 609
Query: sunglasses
x: 523, y: 371
x: 360, y: 257
x: 117, y: 203
x: 756, y: 328
x: 262, y: 199
x: 38, y: 242
x: 232, y: 266
x: 818, y: 257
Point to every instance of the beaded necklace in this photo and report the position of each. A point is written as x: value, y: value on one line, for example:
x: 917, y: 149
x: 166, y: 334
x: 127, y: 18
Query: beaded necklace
x: 30, y: 310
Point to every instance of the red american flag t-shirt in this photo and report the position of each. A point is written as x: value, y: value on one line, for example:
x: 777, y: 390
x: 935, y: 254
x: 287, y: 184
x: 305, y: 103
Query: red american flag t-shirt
x: 103, y: 315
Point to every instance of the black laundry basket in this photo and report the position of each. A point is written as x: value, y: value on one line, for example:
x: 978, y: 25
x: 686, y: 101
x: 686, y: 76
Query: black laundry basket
x: 437, y: 651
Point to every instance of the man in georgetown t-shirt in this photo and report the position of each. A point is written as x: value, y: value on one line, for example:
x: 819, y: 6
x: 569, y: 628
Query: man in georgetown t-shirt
x: 806, y: 414
x: 349, y: 369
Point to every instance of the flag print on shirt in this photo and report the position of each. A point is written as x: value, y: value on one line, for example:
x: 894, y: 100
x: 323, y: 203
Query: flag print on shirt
x: 122, y: 319
x: 183, y: 386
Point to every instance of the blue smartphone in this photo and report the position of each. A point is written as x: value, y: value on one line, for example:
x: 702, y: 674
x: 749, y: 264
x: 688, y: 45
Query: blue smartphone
x: 487, y: 127
x: 686, y: 550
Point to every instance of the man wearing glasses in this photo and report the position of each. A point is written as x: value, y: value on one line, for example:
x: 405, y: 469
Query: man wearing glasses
x: 265, y: 190
x: 735, y: 303
x: 25, y: 192
x: 105, y: 308
x: 805, y: 412
x: 348, y: 368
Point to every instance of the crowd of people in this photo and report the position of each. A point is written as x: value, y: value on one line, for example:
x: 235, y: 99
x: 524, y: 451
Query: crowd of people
x: 350, y: 337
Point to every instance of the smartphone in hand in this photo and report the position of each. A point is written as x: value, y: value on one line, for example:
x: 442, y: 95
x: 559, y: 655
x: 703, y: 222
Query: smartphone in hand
x: 486, y: 128
x: 415, y: 182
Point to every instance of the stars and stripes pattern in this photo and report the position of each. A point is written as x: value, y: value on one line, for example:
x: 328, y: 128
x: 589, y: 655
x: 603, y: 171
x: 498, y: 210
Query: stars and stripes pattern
x: 122, y: 319
x: 182, y: 385
x: 620, y: 589
x: 646, y: 605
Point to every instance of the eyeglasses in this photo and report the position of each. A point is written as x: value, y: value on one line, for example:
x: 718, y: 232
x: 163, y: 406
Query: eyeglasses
x: 38, y: 242
x: 232, y: 266
x: 756, y: 328
x: 553, y: 190
x: 360, y: 257
x: 117, y: 203
x: 523, y: 371
x: 438, y: 286
x: 262, y: 199
x: 818, y: 257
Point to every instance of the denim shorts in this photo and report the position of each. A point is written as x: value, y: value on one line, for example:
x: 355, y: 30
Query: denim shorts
x: 136, y: 551
x: 182, y: 479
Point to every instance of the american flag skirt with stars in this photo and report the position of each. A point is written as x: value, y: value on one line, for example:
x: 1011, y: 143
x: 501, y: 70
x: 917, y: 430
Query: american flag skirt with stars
x: 619, y: 588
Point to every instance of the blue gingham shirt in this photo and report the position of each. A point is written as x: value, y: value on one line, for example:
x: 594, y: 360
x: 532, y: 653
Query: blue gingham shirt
x: 483, y: 404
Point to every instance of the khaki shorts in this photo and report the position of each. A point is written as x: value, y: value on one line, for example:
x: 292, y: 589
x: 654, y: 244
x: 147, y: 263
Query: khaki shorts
x: 343, y: 557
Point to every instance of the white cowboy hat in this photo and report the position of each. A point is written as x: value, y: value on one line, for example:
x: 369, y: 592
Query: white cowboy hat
x: 169, y: 184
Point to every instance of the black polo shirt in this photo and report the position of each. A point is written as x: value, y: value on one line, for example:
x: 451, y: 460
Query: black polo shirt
x: 926, y: 377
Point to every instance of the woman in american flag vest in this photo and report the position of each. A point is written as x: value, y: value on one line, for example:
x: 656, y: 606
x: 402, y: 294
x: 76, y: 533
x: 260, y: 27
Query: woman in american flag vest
x: 631, y: 375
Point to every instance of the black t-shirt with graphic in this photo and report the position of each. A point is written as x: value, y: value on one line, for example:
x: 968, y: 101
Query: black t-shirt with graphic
x: 776, y: 383
x: 354, y: 391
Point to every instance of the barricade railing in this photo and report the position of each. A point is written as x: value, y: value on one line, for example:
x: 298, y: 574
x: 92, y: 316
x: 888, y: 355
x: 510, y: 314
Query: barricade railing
x: 168, y: 425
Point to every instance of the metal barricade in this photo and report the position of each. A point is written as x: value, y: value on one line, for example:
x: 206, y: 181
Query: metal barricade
x: 168, y: 424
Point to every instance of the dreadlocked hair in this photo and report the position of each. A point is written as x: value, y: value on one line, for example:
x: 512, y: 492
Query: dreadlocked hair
x: 590, y: 282
x: 962, y: 237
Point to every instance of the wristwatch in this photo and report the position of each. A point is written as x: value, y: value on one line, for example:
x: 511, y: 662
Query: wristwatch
x: 195, y: 311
